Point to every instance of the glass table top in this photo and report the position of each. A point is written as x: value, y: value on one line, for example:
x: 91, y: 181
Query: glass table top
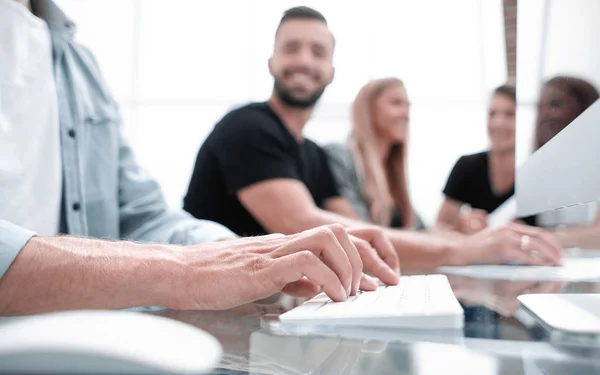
x: 498, y: 338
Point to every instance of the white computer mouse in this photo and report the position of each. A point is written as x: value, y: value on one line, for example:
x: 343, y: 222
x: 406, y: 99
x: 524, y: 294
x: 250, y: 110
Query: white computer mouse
x: 84, y: 342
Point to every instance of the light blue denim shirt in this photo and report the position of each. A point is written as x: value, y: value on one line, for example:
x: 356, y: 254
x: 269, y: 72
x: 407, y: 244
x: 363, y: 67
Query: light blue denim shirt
x: 106, y: 194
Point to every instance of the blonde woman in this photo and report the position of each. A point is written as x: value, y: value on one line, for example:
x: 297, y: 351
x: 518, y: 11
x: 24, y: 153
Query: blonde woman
x: 370, y: 170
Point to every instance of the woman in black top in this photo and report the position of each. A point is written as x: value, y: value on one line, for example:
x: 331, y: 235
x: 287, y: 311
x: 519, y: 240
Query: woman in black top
x: 481, y: 180
x: 484, y: 180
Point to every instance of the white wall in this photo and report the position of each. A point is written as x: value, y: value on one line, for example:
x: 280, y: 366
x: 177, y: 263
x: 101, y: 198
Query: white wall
x: 177, y: 66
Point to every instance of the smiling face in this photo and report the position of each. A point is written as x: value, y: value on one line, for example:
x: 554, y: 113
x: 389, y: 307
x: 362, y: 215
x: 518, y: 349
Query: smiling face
x: 302, y: 62
x: 391, y: 114
x: 501, y: 122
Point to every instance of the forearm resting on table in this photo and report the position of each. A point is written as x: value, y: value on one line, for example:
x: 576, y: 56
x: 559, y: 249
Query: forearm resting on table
x: 423, y: 250
x: 311, y: 218
x: 415, y: 250
x: 66, y: 273
x: 583, y: 237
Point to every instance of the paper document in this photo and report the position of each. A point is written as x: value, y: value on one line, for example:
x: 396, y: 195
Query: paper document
x: 573, y: 269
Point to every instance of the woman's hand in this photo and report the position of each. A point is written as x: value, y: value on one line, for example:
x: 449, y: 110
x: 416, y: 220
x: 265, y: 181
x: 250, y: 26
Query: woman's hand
x: 471, y: 221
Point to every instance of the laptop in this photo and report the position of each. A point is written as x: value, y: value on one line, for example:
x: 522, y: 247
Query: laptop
x: 575, y: 314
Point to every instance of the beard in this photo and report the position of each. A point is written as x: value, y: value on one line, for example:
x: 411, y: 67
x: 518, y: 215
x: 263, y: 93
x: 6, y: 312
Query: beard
x: 293, y: 100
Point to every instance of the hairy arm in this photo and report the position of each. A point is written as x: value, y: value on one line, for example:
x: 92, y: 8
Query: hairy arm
x: 63, y: 273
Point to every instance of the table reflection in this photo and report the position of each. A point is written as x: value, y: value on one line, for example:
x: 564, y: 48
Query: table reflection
x: 497, y: 339
x: 499, y: 295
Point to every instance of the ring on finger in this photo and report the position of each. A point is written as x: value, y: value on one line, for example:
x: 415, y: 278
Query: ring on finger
x: 525, y: 240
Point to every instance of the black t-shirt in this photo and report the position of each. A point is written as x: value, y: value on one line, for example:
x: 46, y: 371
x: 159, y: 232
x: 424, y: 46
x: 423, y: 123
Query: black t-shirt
x: 249, y: 145
x: 469, y: 182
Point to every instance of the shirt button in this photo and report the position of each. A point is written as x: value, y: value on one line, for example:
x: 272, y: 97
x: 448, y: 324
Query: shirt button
x: 72, y: 133
x: 76, y: 206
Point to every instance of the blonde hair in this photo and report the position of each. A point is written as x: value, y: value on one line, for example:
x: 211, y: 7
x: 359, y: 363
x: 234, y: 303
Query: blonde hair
x: 384, y: 186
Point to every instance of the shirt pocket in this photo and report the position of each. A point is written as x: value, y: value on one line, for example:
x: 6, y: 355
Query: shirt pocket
x: 100, y: 157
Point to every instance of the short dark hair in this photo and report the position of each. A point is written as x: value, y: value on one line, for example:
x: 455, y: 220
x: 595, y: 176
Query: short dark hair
x: 507, y: 90
x: 302, y: 12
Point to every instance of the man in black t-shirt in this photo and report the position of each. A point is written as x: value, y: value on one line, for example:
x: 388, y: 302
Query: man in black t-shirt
x: 248, y: 146
x: 256, y: 173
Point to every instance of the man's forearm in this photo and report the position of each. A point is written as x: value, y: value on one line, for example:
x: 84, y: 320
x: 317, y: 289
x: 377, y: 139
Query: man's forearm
x: 415, y: 249
x: 422, y: 250
x: 63, y: 273
x: 318, y: 217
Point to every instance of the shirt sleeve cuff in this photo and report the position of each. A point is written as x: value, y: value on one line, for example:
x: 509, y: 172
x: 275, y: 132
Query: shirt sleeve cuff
x: 12, y: 240
x: 210, y: 231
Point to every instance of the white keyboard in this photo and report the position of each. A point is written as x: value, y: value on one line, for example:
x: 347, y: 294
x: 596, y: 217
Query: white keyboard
x: 416, y: 302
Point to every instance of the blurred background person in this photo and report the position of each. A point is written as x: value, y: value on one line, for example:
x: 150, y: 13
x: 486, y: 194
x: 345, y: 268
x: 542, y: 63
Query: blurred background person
x: 193, y: 97
x: 371, y: 168
x: 485, y: 180
x: 562, y: 99
x: 266, y: 177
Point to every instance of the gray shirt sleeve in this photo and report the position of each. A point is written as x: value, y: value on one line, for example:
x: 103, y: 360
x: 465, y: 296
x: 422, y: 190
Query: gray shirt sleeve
x: 12, y: 240
x: 143, y: 213
x: 341, y: 163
